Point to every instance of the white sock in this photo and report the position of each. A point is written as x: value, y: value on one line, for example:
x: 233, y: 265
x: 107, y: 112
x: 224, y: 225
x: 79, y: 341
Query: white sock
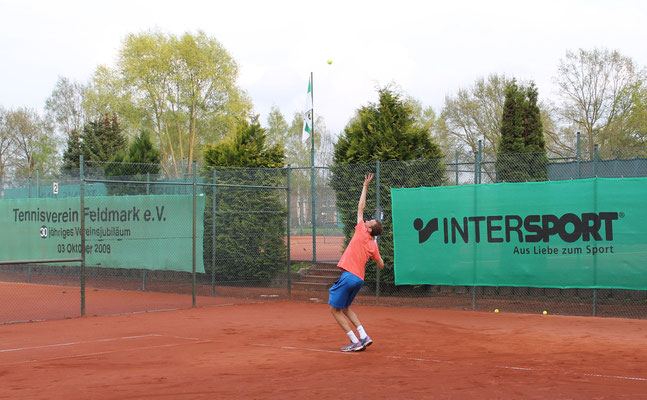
x: 352, y: 336
x: 362, y: 332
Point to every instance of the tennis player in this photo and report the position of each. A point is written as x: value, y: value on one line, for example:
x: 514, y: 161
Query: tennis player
x: 353, y: 263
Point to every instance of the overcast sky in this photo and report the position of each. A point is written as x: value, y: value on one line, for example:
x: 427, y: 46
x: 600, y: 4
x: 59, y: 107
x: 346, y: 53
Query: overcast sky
x: 429, y: 49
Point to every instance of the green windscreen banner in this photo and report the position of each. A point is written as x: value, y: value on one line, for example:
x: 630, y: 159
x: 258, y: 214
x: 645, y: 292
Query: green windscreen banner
x: 143, y: 232
x: 588, y: 233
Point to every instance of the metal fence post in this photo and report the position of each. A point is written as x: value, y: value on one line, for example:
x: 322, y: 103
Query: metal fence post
x: 476, y: 163
x: 377, y: 205
x: 145, y: 273
x: 37, y: 196
x: 289, y: 267
x: 312, y: 175
x: 579, y: 157
x: 477, y: 180
x: 213, y: 236
x: 314, y: 216
x: 477, y: 167
x: 595, y: 160
x: 480, y: 158
x: 456, y: 159
x: 82, y: 198
x: 474, y: 166
x: 595, y: 209
x: 195, y: 194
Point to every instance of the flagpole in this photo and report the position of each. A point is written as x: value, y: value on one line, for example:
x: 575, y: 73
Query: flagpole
x: 312, y: 175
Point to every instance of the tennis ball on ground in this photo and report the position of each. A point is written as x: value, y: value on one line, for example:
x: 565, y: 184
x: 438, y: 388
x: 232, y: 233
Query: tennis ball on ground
x: 496, y: 310
x: 329, y: 62
x: 545, y: 312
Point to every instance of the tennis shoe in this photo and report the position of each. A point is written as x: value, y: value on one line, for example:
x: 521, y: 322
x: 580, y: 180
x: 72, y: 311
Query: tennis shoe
x: 367, y: 341
x: 353, y: 347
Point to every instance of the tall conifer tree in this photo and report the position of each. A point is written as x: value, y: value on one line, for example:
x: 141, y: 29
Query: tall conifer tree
x: 387, y: 131
x: 521, y: 156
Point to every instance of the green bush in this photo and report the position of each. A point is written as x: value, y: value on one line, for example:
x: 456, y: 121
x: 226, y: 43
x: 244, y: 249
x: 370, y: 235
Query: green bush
x: 250, y: 223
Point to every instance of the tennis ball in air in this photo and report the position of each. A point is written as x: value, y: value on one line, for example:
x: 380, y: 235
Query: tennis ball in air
x: 496, y: 310
x: 329, y: 62
x: 545, y: 312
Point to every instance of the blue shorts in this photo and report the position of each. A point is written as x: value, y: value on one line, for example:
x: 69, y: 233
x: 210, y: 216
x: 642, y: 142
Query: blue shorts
x: 343, y: 292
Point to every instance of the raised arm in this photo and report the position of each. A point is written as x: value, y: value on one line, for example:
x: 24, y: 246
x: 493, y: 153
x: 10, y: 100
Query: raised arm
x: 362, y: 199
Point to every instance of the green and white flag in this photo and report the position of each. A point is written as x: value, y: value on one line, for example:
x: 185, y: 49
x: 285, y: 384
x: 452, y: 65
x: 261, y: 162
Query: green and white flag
x: 307, y: 114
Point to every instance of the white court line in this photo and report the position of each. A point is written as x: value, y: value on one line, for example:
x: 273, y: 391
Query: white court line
x: 166, y: 309
x: 299, y: 348
x: 137, y: 312
x: 419, y: 359
x: 140, y: 312
x: 520, y: 368
x: 191, y: 341
x: 98, y: 353
x: 21, y: 321
x: 185, y: 338
x: 75, y: 343
x: 633, y: 378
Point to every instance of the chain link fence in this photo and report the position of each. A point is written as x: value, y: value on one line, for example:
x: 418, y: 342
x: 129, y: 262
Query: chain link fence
x: 341, y: 186
x: 166, y: 237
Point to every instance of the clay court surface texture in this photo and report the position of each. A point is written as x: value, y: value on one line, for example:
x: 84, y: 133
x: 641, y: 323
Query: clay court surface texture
x: 290, y: 350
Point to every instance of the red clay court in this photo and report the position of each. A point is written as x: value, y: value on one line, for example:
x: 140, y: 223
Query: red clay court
x: 290, y: 350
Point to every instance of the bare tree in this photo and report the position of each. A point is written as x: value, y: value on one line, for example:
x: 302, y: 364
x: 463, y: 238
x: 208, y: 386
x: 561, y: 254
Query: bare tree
x: 474, y: 114
x: 7, y: 147
x: 596, y: 88
x: 426, y: 118
x: 65, y: 106
x: 32, y: 148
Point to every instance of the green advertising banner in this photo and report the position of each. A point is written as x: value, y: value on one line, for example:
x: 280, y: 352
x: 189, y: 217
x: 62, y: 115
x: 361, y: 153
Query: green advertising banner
x: 148, y: 232
x: 588, y: 233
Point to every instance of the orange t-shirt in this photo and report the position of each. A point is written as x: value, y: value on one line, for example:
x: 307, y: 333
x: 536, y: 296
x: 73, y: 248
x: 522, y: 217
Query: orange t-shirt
x: 361, y: 247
